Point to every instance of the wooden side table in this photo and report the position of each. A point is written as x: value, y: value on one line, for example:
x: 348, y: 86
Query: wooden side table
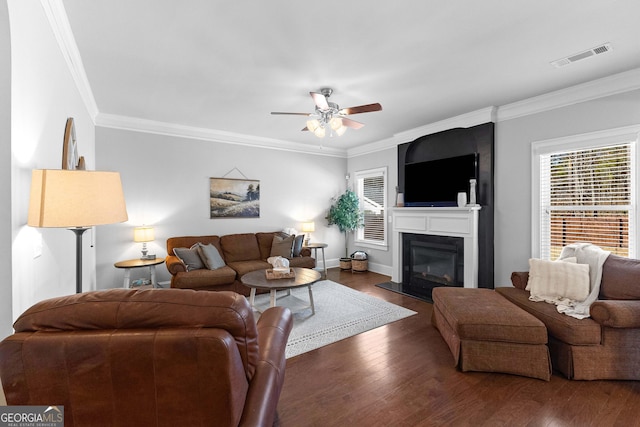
x: 137, y: 263
x: 315, y: 247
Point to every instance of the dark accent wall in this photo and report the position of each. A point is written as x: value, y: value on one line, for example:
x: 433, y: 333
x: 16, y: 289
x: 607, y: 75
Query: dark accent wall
x: 457, y: 142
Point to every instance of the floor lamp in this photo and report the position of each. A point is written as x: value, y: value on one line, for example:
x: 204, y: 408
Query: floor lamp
x: 77, y: 200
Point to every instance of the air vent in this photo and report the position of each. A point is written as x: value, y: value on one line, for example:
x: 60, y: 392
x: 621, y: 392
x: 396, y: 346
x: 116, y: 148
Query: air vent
x: 582, y: 55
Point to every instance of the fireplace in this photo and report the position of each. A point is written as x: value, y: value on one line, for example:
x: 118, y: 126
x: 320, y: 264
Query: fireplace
x: 431, y: 261
x: 458, y: 224
x: 447, y: 144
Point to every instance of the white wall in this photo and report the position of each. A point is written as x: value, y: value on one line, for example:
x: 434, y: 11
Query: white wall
x: 166, y: 178
x: 512, y: 240
x: 380, y: 260
x: 513, y: 167
x: 166, y: 185
x: 43, y: 96
x: 6, y: 317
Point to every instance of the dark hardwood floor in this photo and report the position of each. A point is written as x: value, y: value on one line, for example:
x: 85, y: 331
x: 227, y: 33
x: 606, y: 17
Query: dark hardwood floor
x: 402, y: 374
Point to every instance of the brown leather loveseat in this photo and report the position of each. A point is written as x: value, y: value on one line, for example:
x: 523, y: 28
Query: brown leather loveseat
x: 241, y: 254
x: 161, y: 357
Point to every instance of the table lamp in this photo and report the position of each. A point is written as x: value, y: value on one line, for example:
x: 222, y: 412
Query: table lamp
x: 308, y: 227
x: 144, y: 235
x: 77, y: 200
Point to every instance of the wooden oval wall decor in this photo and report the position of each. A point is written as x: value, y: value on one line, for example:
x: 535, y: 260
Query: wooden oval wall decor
x: 70, y: 159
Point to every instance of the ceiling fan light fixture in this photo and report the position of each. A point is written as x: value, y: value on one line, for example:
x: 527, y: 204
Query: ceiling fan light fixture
x: 335, y: 123
x: 329, y: 118
x: 313, y: 124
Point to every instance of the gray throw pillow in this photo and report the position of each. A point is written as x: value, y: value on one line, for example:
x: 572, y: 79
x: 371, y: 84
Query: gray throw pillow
x: 297, y: 245
x: 281, y: 246
x: 189, y: 257
x: 210, y: 256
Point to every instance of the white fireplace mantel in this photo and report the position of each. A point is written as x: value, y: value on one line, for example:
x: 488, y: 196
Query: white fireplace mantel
x: 438, y: 221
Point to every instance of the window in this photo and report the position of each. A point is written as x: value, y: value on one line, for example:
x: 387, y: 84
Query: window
x: 586, y: 192
x: 371, y: 190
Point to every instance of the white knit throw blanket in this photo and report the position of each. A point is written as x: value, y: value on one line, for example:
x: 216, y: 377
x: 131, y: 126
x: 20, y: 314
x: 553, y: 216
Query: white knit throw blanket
x: 586, y: 253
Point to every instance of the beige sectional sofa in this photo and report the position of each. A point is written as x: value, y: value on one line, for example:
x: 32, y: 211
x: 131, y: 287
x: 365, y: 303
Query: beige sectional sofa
x: 239, y: 253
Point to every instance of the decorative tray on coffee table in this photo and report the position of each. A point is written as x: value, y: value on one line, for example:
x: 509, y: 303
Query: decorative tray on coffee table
x: 273, y: 273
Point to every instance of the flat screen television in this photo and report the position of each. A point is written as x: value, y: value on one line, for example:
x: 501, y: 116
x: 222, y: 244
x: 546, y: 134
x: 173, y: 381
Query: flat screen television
x: 438, y: 182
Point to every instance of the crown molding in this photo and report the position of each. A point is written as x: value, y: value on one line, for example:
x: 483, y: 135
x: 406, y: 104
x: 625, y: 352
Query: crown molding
x: 594, y: 89
x: 191, y: 132
x: 606, y: 86
x: 610, y: 85
x: 372, y: 147
x: 57, y: 17
x: 599, y: 88
x: 472, y: 118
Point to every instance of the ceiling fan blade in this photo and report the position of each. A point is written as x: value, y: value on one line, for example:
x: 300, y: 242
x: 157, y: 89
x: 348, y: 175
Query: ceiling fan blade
x: 369, y: 108
x: 305, y: 129
x: 320, y: 100
x: 351, y: 123
x: 291, y: 114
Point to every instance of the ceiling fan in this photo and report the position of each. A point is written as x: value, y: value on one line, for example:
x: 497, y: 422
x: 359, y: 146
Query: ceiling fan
x: 328, y: 116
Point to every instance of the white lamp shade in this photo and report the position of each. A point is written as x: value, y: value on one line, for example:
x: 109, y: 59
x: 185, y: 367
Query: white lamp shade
x: 143, y: 234
x: 75, y: 198
x: 308, y: 227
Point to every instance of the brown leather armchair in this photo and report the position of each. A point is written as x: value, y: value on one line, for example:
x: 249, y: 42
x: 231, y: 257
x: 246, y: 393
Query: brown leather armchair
x: 163, y: 357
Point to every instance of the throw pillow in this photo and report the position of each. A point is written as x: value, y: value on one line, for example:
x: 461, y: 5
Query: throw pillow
x: 297, y: 245
x: 189, y: 257
x: 210, y: 256
x: 281, y: 246
x: 573, y: 260
x: 553, y: 280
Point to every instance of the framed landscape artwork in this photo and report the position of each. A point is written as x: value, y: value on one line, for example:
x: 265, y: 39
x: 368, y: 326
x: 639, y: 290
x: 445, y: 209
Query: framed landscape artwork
x: 234, y: 198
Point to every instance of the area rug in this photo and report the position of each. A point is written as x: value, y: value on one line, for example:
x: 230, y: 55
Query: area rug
x: 341, y: 312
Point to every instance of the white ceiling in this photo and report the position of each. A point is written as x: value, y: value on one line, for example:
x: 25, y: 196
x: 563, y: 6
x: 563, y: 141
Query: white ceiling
x: 225, y: 65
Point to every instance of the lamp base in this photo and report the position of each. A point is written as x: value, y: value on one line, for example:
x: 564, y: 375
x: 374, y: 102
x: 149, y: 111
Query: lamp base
x: 148, y: 257
x: 78, y: 231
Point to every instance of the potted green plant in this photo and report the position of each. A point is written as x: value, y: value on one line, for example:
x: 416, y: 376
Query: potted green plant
x: 345, y: 213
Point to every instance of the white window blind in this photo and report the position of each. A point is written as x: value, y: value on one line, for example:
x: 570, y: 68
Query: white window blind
x: 587, y: 195
x: 371, y: 191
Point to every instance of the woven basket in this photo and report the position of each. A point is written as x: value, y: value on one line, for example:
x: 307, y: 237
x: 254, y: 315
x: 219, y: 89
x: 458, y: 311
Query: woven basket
x: 359, y: 265
x: 345, y: 264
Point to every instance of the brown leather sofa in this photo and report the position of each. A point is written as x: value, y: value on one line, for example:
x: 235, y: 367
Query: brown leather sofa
x: 165, y: 357
x: 242, y: 253
x: 604, y: 346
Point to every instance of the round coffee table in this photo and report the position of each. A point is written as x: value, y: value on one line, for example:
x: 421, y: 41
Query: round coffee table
x: 258, y: 280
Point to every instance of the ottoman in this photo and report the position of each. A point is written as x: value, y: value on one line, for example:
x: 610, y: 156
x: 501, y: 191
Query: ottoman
x: 485, y: 332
